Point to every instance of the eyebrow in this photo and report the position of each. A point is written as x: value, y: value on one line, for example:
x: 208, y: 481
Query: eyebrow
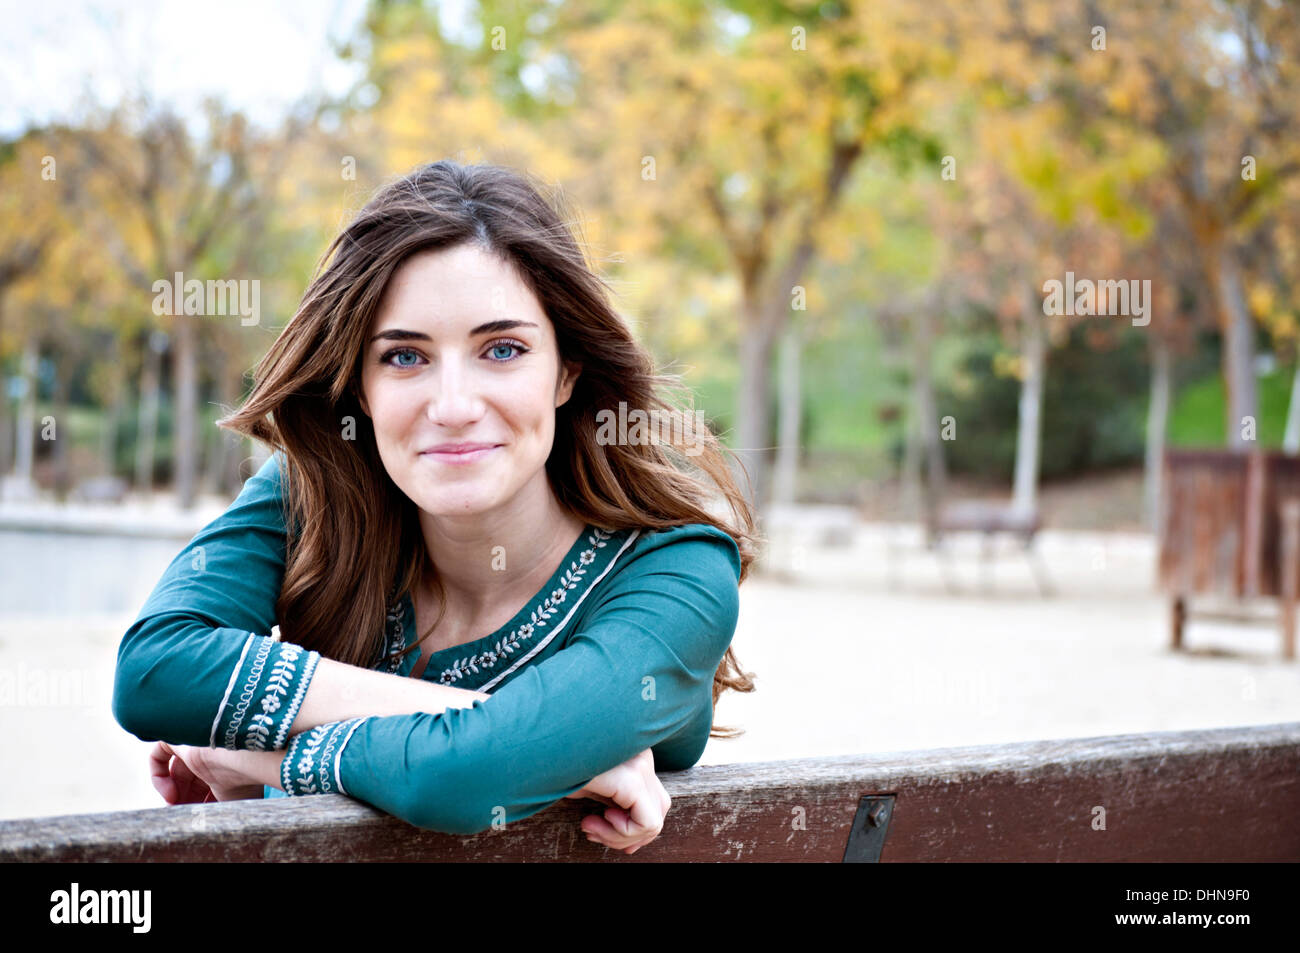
x: 397, y: 334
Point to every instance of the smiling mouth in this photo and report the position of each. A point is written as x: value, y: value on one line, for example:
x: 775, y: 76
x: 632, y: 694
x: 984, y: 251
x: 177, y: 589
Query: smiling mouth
x: 464, y: 456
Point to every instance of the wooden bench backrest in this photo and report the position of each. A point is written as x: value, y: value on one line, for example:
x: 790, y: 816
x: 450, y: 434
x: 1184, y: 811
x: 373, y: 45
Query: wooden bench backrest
x: 1229, y: 794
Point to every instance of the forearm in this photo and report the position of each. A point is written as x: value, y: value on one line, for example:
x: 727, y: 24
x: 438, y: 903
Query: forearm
x: 339, y: 691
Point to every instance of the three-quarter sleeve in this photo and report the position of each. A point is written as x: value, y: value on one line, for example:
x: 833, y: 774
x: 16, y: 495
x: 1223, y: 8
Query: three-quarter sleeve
x: 199, y: 665
x: 637, y: 674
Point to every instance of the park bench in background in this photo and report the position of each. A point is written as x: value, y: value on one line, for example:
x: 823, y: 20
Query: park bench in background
x: 1231, y: 530
x: 989, y: 518
x: 1227, y: 794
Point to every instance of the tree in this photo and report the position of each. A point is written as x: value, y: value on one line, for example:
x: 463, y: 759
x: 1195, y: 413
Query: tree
x: 161, y: 202
x: 735, y: 147
x: 1214, y: 83
x: 29, y: 222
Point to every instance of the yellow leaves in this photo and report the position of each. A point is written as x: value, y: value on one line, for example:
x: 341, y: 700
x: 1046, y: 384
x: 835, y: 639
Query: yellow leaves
x: 839, y: 240
x: 1009, y: 366
x: 1261, y: 300
x: 1119, y: 99
x: 408, y: 53
x: 1282, y: 326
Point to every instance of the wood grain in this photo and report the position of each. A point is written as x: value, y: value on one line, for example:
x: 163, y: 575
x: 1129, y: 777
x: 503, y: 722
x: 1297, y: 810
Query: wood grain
x: 1229, y: 794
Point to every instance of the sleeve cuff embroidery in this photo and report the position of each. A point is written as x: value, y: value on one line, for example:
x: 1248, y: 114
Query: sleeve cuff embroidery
x: 311, y: 764
x: 264, y: 695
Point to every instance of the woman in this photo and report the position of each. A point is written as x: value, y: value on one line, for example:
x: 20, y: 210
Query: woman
x: 489, y: 601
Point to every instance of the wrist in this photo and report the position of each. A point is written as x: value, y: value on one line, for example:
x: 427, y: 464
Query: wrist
x: 245, y: 769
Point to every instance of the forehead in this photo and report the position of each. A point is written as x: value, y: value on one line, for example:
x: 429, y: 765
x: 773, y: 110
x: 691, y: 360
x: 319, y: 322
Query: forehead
x: 461, y: 286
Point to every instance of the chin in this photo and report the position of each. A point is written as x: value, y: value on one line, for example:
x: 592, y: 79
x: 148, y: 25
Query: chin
x: 454, y: 506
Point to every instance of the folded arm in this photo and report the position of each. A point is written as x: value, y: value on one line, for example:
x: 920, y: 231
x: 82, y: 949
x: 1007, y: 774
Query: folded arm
x: 194, y: 669
x: 637, y: 675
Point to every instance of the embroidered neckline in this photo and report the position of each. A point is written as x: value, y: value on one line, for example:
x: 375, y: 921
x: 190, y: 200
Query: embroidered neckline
x: 394, y: 637
x: 395, y: 629
x: 538, y: 619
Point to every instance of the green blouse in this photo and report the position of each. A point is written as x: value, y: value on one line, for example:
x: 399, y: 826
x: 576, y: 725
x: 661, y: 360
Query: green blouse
x: 615, y: 654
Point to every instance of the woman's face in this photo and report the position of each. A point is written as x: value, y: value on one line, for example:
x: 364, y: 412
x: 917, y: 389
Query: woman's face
x: 461, y: 352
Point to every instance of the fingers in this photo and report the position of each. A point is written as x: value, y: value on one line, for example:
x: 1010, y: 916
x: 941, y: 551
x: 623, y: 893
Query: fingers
x: 656, y: 795
x: 599, y: 829
x: 172, y: 778
x: 184, y: 775
x: 160, y: 757
x: 621, y: 835
x: 644, y: 800
x: 628, y: 830
x: 637, y: 808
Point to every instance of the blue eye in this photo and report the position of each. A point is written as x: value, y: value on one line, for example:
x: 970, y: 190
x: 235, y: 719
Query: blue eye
x: 398, y: 350
x: 499, y: 352
x: 497, y: 346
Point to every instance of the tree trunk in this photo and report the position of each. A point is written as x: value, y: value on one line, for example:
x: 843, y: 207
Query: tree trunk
x: 926, y: 415
x: 148, y: 414
x: 1029, y: 429
x: 1238, y: 347
x: 113, y: 417
x: 213, y: 458
x: 222, y: 444
x: 210, y: 437
x: 184, y: 420
x: 791, y: 404
x: 1157, y: 423
x: 910, y: 496
x: 752, y: 415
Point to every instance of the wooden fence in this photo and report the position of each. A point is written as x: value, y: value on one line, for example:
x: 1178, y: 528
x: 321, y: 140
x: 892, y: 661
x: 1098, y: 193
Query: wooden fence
x: 1229, y: 794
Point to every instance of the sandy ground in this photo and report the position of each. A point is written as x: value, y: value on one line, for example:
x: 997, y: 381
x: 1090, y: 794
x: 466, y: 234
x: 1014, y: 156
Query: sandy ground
x: 855, y: 647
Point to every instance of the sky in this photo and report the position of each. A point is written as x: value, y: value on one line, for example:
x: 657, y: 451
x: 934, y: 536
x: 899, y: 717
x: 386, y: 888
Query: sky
x: 258, y: 55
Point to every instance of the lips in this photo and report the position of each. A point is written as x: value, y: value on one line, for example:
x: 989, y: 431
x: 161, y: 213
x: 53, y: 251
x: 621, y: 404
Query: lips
x: 459, y: 453
x: 458, y: 447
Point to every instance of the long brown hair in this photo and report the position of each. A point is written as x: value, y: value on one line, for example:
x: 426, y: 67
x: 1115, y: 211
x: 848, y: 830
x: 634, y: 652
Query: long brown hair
x: 343, y: 510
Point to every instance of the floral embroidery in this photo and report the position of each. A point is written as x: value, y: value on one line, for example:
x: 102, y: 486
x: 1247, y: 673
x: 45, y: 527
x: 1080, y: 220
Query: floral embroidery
x: 306, y: 781
x: 246, y: 696
x: 277, y: 672
x: 308, y: 669
x: 315, y: 755
x: 394, y: 636
x: 277, y: 684
x: 539, y: 617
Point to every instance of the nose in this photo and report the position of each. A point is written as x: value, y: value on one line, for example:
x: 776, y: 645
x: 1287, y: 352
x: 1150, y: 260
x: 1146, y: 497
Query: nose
x: 454, y: 401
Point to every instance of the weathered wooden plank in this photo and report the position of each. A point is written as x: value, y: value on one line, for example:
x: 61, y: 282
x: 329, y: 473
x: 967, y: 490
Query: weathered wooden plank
x: 1214, y: 795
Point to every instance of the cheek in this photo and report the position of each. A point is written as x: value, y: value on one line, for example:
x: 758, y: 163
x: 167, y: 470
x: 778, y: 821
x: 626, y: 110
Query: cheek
x: 391, y: 409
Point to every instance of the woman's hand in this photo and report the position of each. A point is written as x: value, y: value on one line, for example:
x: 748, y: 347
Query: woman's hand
x: 187, y: 775
x: 638, y: 804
